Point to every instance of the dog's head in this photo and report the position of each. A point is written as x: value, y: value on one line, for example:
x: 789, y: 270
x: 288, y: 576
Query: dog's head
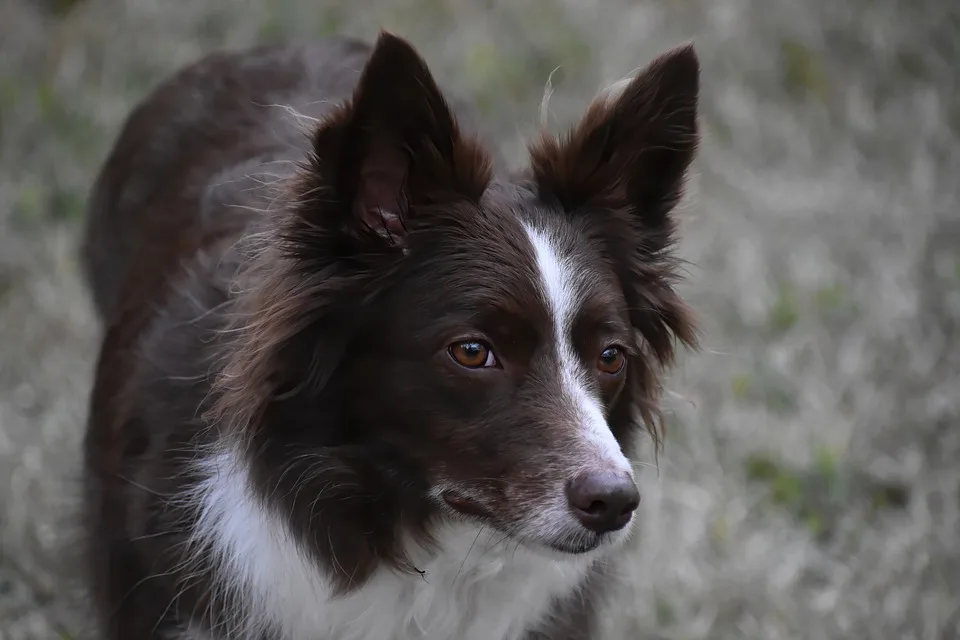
x: 493, y: 344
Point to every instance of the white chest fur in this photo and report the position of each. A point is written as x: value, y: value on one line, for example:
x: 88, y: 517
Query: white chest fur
x: 475, y: 586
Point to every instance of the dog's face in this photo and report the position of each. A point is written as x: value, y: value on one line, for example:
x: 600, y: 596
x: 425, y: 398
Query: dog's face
x: 501, y: 359
x: 506, y: 337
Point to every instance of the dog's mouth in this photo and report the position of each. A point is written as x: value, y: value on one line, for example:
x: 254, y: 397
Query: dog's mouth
x: 575, y: 544
x: 465, y: 506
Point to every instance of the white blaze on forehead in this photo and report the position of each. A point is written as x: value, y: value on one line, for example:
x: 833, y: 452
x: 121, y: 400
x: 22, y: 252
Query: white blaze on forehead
x: 562, y: 290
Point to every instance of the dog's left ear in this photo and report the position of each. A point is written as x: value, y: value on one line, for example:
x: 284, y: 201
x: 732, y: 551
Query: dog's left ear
x: 632, y: 149
x: 395, y: 146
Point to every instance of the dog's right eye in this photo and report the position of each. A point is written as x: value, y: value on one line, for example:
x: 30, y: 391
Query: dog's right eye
x: 473, y: 354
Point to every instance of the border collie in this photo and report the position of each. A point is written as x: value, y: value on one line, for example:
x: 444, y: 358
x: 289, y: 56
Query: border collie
x: 355, y: 383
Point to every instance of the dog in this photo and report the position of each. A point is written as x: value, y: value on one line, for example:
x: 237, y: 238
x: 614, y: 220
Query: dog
x: 357, y: 382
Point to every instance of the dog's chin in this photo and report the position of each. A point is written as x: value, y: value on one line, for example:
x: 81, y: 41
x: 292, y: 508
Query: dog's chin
x: 579, y: 544
x: 575, y: 546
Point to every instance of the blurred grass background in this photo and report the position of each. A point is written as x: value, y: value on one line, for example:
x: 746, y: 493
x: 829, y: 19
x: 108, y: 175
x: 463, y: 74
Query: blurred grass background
x: 810, y: 486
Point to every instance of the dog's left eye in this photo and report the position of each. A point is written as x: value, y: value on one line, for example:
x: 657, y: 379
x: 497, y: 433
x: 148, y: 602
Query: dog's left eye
x: 473, y: 354
x: 611, y: 361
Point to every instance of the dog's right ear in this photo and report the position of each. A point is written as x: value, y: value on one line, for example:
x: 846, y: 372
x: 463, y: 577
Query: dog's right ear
x: 391, y: 149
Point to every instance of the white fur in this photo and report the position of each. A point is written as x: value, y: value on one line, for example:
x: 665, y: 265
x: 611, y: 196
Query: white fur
x: 478, y: 586
x: 560, y: 286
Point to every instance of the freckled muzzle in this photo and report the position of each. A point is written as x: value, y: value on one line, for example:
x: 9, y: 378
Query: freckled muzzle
x: 560, y: 504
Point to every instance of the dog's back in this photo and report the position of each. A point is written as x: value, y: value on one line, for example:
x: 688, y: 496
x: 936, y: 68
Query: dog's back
x: 180, y: 176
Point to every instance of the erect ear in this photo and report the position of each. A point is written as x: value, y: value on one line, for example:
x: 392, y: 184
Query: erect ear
x: 631, y: 149
x: 393, y: 146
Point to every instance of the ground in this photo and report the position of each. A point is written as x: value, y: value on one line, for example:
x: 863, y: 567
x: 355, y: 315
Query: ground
x: 810, y: 485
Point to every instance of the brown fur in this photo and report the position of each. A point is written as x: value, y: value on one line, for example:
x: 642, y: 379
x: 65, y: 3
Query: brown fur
x: 283, y: 291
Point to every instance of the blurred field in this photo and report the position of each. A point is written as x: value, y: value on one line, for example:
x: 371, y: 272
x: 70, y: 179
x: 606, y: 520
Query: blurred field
x: 810, y: 486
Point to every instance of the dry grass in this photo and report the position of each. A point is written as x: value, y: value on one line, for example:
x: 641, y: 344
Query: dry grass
x: 810, y: 486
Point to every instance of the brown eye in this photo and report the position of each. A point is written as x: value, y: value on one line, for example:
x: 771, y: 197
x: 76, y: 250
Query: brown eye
x: 611, y: 361
x: 473, y: 354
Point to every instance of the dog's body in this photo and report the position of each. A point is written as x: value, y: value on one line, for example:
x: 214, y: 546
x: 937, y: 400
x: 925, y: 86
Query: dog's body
x: 355, y: 386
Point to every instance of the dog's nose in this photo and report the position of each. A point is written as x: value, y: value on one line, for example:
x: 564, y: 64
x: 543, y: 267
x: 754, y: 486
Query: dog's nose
x: 603, y: 501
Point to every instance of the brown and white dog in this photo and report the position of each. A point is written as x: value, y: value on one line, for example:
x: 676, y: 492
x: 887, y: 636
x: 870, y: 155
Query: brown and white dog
x: 356, y: 385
